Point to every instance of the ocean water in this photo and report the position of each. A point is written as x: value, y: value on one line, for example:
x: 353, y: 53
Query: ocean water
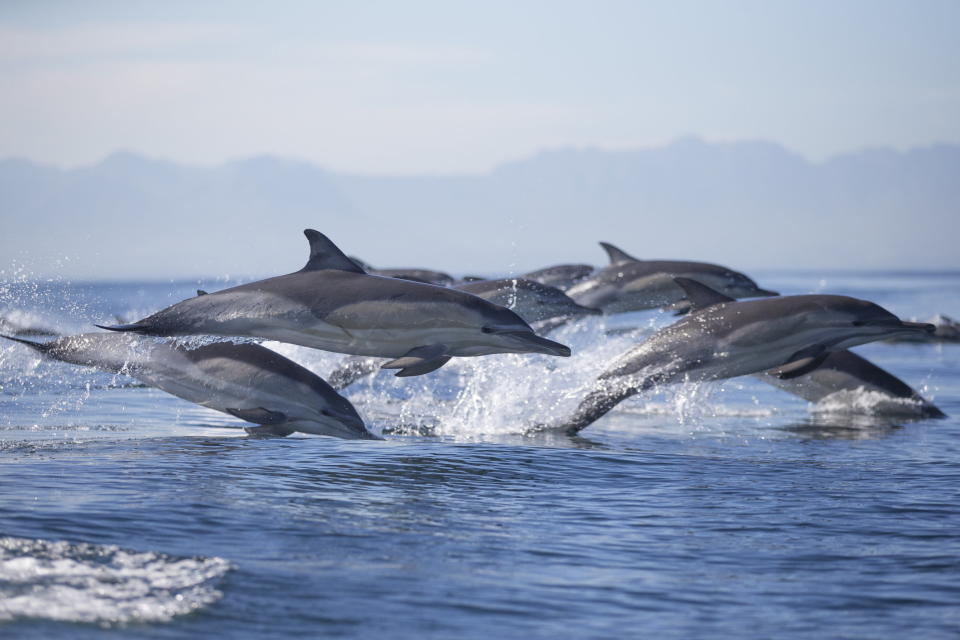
x: 721, y: 510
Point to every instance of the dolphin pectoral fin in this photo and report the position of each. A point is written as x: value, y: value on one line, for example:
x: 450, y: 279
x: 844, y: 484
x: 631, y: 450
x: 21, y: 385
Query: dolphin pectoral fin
x: 424, y: 367
x: 800, y: 366
x: 419, y: 360
x: 700, y: 295
x: 326, y: 255
x: 259, y: 416
x: 616, y: 254
x: 269, y: 431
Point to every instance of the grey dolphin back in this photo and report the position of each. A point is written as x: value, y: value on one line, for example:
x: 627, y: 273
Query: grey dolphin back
x: 326, y: 255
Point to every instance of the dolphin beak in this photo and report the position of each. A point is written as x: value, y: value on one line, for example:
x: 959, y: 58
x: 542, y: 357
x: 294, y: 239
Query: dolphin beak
x: 537, y: 344
x: 925, y: 327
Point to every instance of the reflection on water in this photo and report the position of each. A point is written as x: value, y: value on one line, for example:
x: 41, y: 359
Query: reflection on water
x: 846, y: 427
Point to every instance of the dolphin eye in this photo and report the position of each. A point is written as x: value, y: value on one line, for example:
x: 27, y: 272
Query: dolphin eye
x: 858, y: 323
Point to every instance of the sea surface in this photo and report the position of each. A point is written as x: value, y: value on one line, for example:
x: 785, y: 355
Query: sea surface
x: 722, y: 510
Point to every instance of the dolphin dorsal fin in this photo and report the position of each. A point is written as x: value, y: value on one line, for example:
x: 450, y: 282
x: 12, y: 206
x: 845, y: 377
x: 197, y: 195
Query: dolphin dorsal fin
x: 700, y: 295
x: 201, y: 292
x: 616, y: 254
x: 361, y: 263
x: 326, y: 255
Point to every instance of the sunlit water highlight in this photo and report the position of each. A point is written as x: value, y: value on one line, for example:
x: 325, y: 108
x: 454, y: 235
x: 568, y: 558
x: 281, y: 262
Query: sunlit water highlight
x: 727, y: 509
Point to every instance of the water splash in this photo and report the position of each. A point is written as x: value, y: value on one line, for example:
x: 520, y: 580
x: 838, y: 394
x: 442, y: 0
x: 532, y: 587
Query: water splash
x: 105, y: 584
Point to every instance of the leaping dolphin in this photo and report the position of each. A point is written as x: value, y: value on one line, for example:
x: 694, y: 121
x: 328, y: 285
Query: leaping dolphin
x: 541, y: 305
x: 722, y: 338
x: 247, y: 381
x: 628, y: 284
x: 562, y: 276
x: 332, y: 304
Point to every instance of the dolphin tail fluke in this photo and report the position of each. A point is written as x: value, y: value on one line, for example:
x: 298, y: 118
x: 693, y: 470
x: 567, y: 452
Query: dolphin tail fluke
x: 597, y: 404
x: 38, y: 346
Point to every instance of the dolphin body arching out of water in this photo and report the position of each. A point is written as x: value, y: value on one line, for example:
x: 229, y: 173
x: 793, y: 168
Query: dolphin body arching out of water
x: 628, y: 284
x: 247, y: 381
x: 541, y: 305
x: 332, y: 304
x: 722, y: 338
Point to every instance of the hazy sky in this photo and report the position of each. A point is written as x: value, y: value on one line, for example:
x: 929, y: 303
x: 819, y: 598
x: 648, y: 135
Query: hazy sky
x: 408, y: 87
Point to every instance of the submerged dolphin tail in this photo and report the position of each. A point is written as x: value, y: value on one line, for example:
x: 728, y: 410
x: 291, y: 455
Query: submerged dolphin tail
x: 39, y: 346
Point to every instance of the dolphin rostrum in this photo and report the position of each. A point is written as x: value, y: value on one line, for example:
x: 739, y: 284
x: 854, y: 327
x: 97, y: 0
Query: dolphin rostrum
x: 332, y: 304
x: 846, y: 371
x: 541, y: 305
x: 722, y: 338
x: 628, y: 284
x: 247, y: 381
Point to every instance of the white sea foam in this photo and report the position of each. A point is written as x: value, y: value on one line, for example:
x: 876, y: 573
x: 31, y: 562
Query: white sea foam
x: 862, y: 401
x: 80, y: 582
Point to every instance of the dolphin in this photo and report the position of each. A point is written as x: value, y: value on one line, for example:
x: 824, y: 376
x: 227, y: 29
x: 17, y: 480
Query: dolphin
x: 947, y: 330
x: 332, y: 304
x: 247, y: 381
x: 628, y: 284
x: 531, y: 300
x: 415, y: 274
x: 562, y: 276
x: 541, y: 305
x: 722, y: 338
x: 846, y: 371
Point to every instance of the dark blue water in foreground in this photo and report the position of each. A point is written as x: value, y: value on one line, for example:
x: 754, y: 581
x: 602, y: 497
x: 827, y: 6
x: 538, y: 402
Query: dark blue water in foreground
x: 726, y: 510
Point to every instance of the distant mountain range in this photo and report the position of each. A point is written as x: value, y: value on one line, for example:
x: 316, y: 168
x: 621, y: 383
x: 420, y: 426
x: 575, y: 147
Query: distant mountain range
x: 745, y: 204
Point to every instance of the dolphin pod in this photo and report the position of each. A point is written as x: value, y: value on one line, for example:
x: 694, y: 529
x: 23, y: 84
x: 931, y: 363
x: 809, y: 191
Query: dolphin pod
x: 628, y: 284
x: 722, y: 338
x: 247, y: 381
x: 797, y: 343
x: 332, y: 304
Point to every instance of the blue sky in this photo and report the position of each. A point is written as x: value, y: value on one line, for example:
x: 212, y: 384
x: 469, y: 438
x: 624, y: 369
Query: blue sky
x: 451, y: 87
